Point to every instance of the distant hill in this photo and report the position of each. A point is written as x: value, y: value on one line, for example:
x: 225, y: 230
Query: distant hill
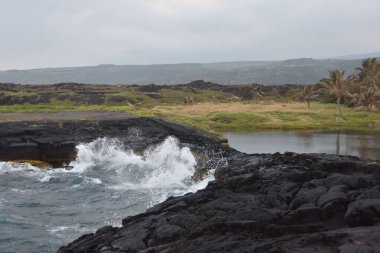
x: 295, y: 71
x: 357, y: 56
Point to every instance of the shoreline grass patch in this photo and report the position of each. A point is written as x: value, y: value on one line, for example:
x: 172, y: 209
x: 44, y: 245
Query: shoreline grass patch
x: 217, y: 117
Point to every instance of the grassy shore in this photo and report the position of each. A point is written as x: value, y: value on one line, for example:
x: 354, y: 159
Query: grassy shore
x: 270, y: 115
x: 238, y: 116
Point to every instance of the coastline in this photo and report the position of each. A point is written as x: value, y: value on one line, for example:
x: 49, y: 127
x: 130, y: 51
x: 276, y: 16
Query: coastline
x: 273, y: 202
x: 259, y: 203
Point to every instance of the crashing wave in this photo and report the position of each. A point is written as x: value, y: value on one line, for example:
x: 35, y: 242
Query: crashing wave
x: 161, y: 171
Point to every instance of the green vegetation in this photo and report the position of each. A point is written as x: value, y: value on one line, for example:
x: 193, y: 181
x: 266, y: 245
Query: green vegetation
x: 19, y: 93
x: 366, y: 92
x: 239, y: 116
x: 216, y: 107
x: 308, y: 94
x: 337, y: 85
x: 363, y: 88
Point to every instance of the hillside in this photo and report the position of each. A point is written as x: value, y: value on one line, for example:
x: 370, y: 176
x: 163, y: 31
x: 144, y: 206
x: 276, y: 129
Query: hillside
x: 296, y: 71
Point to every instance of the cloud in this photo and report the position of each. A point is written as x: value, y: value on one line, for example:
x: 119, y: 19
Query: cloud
x: 50, y: 33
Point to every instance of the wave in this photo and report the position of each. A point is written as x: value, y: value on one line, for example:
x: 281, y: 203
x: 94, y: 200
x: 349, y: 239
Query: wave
x: 161, y: 171
x: 108, y: 181
x: 164, y: 165
x: 10, y: 167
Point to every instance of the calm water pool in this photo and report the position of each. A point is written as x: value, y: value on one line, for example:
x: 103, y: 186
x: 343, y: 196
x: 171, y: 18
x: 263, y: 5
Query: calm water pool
x: 362, y: 144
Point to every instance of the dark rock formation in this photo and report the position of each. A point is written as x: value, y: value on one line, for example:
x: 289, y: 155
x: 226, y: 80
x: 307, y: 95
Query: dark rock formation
x: 260, y: 203
x: 87, y: 94
x: 54, y: 141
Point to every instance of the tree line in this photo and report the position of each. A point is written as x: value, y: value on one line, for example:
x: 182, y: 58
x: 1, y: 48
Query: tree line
x: 361, y: 89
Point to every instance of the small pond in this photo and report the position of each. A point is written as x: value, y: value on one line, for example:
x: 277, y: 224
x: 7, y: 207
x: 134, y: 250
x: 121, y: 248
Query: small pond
x: 365, y: 144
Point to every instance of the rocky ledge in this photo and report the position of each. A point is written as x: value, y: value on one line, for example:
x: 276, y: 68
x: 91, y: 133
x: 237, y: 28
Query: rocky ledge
x: 260, y: 203
x: 54, y: 141
x: 257, y: 203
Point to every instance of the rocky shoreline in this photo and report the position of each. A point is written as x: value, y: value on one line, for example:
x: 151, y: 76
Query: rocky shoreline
x: 54, y: 141
x: 257, y: 203
x: 260, y: 203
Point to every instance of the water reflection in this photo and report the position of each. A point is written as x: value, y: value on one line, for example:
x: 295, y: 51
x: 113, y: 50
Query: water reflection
x: 337, y: 144
x: 362, y: 144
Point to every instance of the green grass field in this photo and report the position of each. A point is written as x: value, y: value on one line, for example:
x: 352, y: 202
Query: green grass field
x: 212, y: 107
x: 239, y: 116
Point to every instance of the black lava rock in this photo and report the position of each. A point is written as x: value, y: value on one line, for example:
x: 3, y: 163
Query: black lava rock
x: 261, y: 203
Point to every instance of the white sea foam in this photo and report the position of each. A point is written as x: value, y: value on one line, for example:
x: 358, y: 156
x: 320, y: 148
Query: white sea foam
x: 21, y: 191
x: 166, y: 165
x: 161, y: 171
x: 54, y: 230
x: 93, y: 180
x: 61, y: 231
x: 45, y: 178
x: 10, y: 167
x: 107, y: 182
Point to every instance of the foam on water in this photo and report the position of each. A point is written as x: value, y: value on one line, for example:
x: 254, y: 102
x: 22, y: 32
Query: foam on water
x: 107, y: 160
x: 107, y: 182
x: 61, y: 230
x: 9, y: 167
x: 166, y: 165
x: 46, y: 178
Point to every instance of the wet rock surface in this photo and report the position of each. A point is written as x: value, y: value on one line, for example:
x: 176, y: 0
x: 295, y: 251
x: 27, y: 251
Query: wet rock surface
x: 257, y: 203
x: 260, y: 203
x: 54, y: 141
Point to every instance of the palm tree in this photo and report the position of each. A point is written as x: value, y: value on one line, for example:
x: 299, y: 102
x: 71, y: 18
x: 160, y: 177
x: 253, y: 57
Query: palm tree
x: 370, y: 67
x: 377, y: 80
x: 337, y: 85
x: 366, y: 97
x: 307, y: 94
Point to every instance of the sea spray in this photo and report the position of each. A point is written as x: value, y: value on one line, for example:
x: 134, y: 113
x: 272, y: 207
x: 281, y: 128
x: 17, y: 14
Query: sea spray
x: 165, y: 165
x: 11, y: 167
x: 43, y: 209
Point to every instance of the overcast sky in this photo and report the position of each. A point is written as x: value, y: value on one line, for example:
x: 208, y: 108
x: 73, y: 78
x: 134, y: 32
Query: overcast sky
x: 53, y: 33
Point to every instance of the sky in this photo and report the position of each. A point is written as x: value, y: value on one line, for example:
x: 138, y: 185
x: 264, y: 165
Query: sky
x: 57, y: 33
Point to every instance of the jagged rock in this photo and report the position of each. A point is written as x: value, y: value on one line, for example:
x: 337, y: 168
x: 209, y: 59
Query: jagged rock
x: 258, y: 203
x: 363, y: 212
x: 54, y: 142
x: 262, y: 203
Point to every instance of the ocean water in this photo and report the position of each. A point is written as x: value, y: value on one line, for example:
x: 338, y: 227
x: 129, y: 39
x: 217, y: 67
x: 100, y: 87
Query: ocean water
x: 42, y: 210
